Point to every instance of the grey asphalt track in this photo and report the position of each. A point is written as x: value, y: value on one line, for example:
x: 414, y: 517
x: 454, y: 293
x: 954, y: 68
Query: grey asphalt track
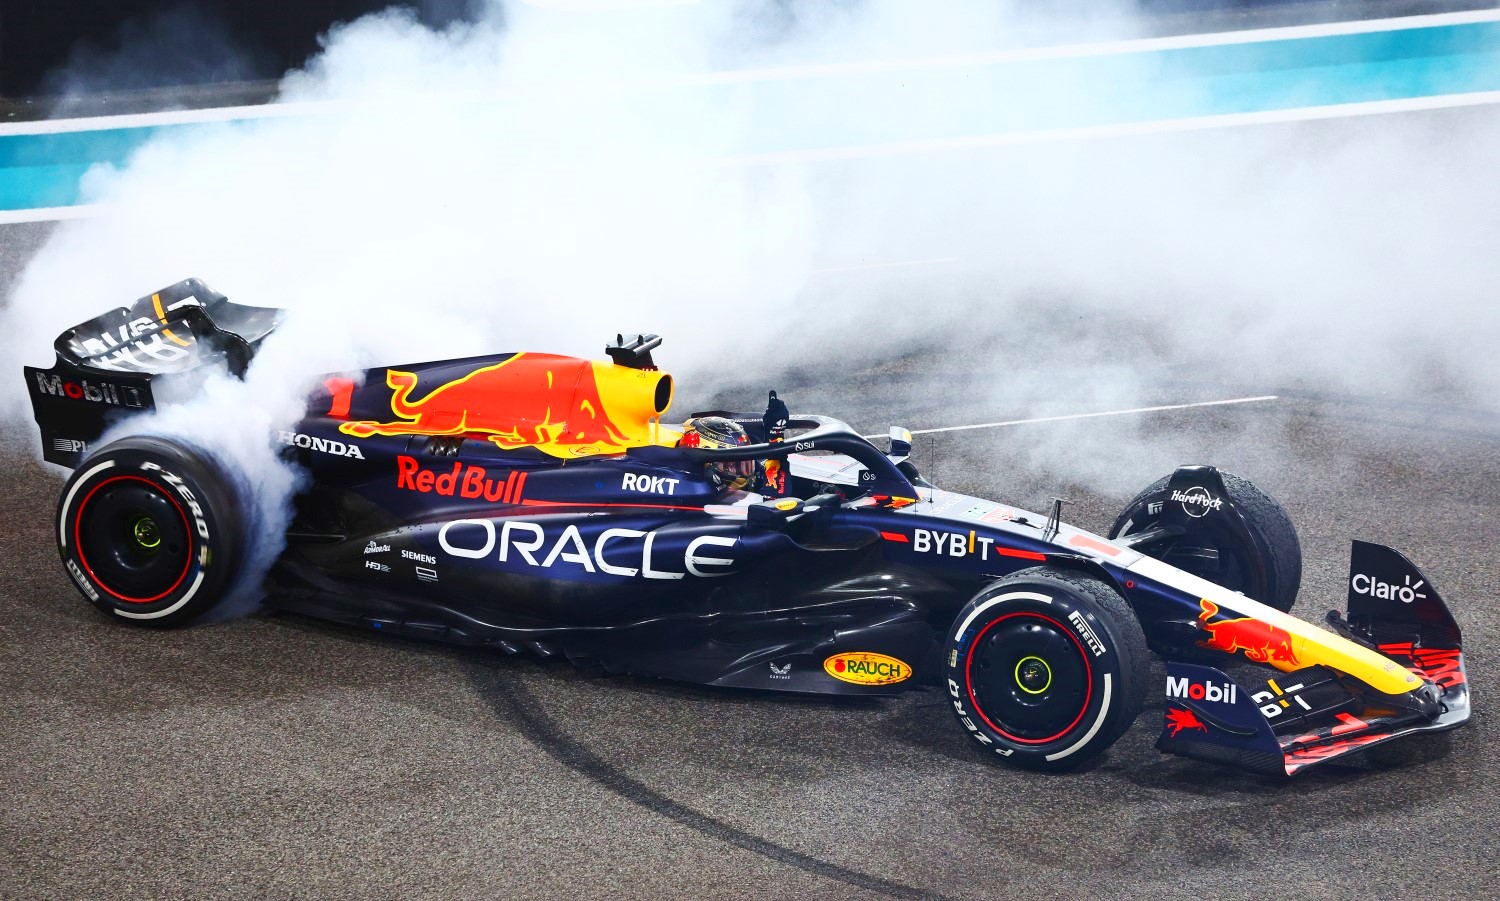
x: 276, y: 757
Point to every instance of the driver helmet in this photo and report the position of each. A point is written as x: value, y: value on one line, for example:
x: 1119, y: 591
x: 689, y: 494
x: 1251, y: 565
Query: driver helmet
x: 714, y: 432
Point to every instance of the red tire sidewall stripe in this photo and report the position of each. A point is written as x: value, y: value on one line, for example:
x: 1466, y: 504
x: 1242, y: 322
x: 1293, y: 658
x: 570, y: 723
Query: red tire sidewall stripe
x: 78, y: 542
x: 1083, y: 655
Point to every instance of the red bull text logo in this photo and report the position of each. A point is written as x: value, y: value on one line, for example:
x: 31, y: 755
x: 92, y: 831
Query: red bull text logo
x: 526, y: 400
x: 463, y: 480
x: 1261, y: 642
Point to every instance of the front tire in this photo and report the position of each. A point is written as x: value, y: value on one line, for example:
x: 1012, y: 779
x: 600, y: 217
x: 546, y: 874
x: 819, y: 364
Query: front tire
x: 1046, y: 668
x: 1263, y: 561
x: 147, y: 530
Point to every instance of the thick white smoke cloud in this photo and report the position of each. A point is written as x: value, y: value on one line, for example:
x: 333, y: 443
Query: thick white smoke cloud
x: 537, y: 181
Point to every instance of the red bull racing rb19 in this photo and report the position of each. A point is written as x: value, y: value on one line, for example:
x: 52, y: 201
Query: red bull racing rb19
x: 542, y: 504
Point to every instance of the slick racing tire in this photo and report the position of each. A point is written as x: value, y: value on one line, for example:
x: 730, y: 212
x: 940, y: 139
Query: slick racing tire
x: 1046, y: 668
x: 1266, y: 565
x: 148, y: 531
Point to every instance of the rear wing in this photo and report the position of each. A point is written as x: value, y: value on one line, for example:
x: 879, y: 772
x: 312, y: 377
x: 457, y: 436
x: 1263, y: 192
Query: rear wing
x: 129, y: 358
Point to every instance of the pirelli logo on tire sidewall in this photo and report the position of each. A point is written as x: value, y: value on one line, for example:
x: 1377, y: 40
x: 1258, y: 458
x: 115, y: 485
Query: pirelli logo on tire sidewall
x: 866, y: 668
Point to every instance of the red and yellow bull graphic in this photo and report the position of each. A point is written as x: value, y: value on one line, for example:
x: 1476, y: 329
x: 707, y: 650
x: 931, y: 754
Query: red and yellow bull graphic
x: 1261, y: 641
x: 563, y: 406
x: 1267, y: 635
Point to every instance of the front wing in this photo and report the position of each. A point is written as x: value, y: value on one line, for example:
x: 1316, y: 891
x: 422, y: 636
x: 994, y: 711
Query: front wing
x: 1316, y: 714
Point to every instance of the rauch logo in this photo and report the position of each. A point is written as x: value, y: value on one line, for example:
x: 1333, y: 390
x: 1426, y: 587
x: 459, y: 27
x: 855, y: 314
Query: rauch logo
x: 866, y: 668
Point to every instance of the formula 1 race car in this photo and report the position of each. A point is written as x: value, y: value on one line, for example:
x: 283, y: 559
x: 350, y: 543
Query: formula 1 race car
x: 538, y: 503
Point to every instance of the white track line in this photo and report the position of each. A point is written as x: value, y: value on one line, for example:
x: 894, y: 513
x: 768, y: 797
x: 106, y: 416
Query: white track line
x: 1164, y: 407
x: 1111, y: 48
x: 1026, y: 54
x: 860, y: 267
x: 906, y: 148
x: 1125, y: 129
x: 50, y: 213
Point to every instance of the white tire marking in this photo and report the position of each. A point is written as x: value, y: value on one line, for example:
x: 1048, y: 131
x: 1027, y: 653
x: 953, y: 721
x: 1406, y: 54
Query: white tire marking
x: 192, y: 590
x: 1094, y: 729
x: 67, y: 507
x: 1010, y: 595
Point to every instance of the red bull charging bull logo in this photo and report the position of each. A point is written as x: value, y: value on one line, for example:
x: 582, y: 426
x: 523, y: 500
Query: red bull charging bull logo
x: 1261, y: 642
x: 553, y: 403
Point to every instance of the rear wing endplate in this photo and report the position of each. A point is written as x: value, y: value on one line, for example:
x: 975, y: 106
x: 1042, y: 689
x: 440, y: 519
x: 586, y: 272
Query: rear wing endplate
x: 125, y: 360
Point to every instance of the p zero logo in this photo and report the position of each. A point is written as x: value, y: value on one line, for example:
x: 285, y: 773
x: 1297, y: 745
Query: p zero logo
x: 866, y: 668
x: 187, y: 495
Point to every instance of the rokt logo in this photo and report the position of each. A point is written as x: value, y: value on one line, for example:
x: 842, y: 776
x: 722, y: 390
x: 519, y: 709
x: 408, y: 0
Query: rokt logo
x: 648, y: 484
x: 1196, y: 501
x: 1363, y: 584
x: 866, y: 668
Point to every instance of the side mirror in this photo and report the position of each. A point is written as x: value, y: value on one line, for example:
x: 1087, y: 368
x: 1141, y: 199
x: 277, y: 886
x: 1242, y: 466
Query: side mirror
x: 900, y: 444
x: 774, y: 514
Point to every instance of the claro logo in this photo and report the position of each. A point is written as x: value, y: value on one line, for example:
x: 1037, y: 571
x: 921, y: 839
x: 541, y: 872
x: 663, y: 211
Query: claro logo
x: 1363, y: 584
x: 866, y: 668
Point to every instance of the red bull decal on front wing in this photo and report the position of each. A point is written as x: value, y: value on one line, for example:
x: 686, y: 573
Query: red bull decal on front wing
x: 563, y: 406
x: 1261, y: 641
x: 1235, y: 624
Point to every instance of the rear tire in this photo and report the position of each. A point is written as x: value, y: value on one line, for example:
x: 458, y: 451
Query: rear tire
x: 1046, y: 668
x: 149, y: 531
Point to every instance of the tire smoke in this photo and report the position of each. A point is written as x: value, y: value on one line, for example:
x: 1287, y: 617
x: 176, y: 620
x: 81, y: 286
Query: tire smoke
x: 539, y: 179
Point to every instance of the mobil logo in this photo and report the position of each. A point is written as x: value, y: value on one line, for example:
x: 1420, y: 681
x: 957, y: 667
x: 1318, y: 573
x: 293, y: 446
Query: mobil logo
x: 96, y: 391
x: 1225, y: 692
